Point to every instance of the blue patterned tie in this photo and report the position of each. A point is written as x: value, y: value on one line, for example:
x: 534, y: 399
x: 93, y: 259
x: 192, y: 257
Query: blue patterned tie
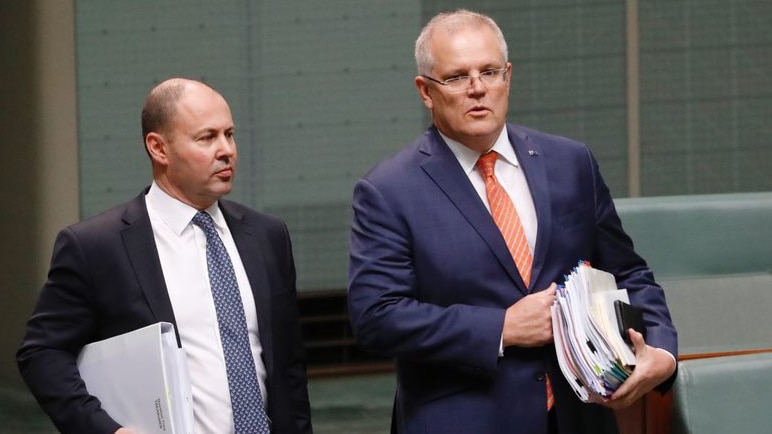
x: 249, y: 415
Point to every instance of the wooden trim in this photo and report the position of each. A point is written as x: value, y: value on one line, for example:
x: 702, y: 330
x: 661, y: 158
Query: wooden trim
x: 657, y: 412
x: 632, y: 420
x: 696, y: 356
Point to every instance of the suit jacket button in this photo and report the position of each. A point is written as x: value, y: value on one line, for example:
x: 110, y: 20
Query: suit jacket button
x: 539, y: 377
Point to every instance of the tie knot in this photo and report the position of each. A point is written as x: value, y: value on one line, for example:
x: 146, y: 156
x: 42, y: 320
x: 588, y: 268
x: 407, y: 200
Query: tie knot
x: 204, y: 221
x: 487, y: 162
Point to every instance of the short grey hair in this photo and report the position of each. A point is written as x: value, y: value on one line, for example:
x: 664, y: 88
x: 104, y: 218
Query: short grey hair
x: 452, y: 22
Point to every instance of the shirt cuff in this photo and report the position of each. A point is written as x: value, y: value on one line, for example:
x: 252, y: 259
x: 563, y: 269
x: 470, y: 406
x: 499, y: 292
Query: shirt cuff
x: 668, y: 353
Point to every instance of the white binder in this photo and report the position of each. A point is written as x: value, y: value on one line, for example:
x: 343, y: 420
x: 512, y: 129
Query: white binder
x: 142, y: 380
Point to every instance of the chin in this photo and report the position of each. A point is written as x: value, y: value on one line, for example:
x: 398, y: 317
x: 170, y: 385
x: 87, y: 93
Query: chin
x: 482, y: 127
x: 222, y: 190
x: 483, y: 132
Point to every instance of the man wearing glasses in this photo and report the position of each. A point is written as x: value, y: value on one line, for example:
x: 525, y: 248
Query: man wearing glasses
x: 456, y: 245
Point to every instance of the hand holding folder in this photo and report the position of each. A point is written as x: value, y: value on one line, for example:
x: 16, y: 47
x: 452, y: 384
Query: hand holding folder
x: 141, y: 379
x: 590, y: 322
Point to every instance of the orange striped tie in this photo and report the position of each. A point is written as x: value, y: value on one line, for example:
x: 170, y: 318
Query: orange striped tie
x: 506, y: 218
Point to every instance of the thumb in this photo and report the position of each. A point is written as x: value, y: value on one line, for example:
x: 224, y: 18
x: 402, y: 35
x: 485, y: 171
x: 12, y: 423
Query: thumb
x: 639, y: 345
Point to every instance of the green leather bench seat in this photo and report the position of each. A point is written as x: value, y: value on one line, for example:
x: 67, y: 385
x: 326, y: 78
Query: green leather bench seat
x: 699, y: 235
x: 713, y: 256
x: 723, y: 395
x: 721, y: 313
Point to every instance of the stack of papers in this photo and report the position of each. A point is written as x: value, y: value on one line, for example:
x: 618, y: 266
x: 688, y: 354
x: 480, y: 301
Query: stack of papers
x: 591, y: 353
x: 141, y: 379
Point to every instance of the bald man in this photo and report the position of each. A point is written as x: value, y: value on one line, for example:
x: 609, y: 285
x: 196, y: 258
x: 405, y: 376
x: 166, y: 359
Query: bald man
x: 145, y: 261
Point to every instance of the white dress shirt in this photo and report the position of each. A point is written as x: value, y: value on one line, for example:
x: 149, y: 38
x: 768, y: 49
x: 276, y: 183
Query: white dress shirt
x: 182, y: 250
x: 509, y: 174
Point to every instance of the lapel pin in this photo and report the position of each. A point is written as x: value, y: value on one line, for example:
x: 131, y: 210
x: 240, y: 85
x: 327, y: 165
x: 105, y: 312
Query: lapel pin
x: 532, y: 153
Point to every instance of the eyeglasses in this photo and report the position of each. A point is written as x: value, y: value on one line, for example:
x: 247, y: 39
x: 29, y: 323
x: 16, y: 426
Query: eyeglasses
x: 461, y: 83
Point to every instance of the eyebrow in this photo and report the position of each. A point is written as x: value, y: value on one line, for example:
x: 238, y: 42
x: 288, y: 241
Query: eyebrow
x: 463, y: 71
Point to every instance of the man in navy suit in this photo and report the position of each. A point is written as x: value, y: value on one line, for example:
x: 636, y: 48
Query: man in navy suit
x: 145, y: 261
x: 433, y: 284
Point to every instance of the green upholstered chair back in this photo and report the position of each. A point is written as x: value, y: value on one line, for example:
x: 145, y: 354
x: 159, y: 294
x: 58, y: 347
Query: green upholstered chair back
x: 713, y: 256
x: 723, y: 395
x: 700, y: 235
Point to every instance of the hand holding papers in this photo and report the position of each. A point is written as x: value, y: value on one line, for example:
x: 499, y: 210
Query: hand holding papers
x: 141, y: 379
x: 592, y: 354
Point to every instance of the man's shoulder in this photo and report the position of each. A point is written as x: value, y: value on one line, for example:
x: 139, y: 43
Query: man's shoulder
x: 106, y: 228
x: 541, y: 137
x: 407, y: 157
x: 237, y: 210
x: 119, y: 215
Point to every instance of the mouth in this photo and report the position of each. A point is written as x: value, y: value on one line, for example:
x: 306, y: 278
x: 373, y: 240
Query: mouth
x: 225, y: 174
x: 478, y: 110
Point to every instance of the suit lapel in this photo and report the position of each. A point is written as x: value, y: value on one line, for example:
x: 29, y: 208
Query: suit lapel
x: 443, y: 168
x: 249, y: 242
x: 531, y: 159
x: 142, y: 253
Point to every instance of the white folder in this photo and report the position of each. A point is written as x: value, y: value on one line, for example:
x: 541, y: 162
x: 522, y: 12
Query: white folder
x: 142, y: 380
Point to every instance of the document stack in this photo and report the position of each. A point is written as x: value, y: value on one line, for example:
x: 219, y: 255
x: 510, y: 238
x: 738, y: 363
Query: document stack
x: 591, y: 352
x: 141, y: 379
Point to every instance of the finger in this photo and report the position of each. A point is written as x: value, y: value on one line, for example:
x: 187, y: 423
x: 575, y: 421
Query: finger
x: 623, y: 391
x: 598, y: 399
x: 639, y: 344
x: 549, y: 293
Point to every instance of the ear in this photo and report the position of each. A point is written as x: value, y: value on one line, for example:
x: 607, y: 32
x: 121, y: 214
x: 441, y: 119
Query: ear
x: 156, y: 147
x: 422, y: 85
x: 510, y: 71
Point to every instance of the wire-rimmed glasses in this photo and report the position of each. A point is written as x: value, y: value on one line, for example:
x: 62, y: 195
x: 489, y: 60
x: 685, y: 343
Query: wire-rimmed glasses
x: 460, y: 83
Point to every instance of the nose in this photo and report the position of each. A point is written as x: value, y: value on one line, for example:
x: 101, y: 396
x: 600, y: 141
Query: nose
x: 227, y: 146
x: 476, y: 84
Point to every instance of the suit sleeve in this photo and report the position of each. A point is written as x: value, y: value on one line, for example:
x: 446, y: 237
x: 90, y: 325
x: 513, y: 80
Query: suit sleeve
x: 389, y: 315
x: 615, y: 253
x: 297, y: 370
x: 62, y: 322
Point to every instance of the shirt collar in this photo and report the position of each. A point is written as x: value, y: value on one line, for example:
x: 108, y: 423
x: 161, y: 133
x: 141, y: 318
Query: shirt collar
x: 468, y: 157
x: 176, y: 214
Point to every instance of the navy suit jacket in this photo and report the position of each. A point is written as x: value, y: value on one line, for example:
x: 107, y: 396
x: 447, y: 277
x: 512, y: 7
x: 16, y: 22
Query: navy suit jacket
x: 106, y: 279
x: 430, y: 278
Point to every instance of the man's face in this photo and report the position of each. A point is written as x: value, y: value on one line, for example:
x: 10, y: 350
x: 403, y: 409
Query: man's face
x: 200, y: 156
x: 475, y: 115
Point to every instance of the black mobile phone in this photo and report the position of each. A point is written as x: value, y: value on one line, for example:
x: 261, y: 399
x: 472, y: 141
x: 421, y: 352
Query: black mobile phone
x: 629, y: 317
